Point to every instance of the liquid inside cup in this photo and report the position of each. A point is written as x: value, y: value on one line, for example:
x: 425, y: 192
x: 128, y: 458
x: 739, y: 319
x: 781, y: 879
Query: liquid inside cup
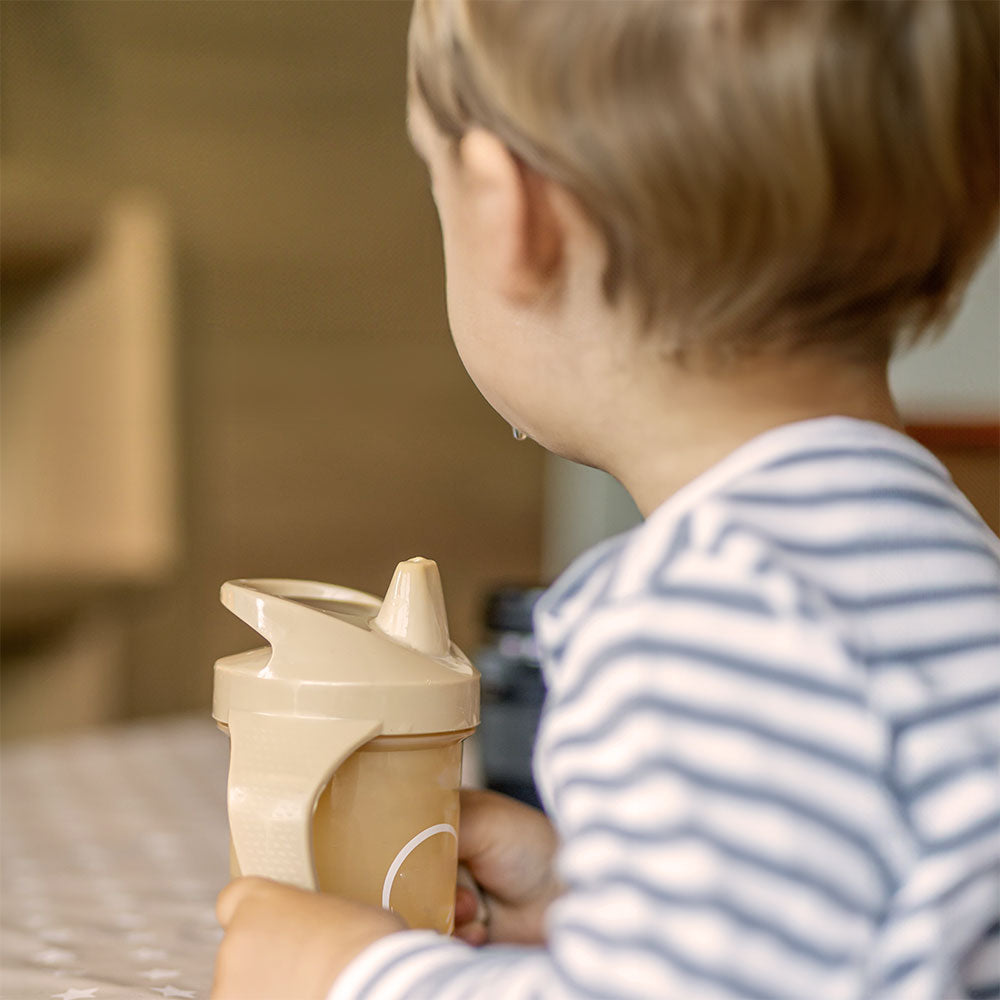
x: 385, y: 829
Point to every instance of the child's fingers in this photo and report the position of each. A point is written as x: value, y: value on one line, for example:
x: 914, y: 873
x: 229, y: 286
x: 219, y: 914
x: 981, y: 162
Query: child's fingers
x: 471, y: 912
x: 473, y: 933
x: 234, y: 895
x: 466, y: 905
x: 468, y: 886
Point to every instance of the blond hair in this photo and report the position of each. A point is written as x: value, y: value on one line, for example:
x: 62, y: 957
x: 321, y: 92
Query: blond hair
x: 766, y: 174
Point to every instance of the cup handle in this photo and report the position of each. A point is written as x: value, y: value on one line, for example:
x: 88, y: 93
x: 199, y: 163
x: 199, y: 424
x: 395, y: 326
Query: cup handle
x: 278, y: 766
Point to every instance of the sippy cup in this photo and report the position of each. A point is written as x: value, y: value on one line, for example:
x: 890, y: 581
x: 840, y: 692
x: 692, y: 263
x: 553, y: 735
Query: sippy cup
x: 346, y: 740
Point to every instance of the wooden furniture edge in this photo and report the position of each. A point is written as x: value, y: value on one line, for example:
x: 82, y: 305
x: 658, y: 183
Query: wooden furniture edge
x: 980, y: 435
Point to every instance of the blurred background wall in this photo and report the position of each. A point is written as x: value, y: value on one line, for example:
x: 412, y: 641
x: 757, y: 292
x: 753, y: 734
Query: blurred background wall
x: 214, y: 205
x: 225, y: 351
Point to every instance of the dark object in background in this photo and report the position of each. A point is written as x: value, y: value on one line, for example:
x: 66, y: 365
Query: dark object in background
x: 513, y: 692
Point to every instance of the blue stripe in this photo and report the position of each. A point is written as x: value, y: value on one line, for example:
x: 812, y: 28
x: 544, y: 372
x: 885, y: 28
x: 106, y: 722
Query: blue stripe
x: 476, y: 962
x: 715, y: 596
x: 937, y: 713
x: 656, y: 648
x: 480, y: 965
x: 905, y: 598
x: 868, y: 546
x: 574, y: 580
x: 429, y: 984
x: 990, y: 825
x: 572, y: 986
x: 728, y: 908
x: 903, y: 969
x: 831, y: 891
x: 897, y: 495
x: 578, y: 575
x: 820, y: 455
x: 680, y: 541
x: 956, y: 769
x: 990, y: 867
x: 877, y: 495
x: 940, y: 649
x: 383, y: 970
x: 620, y: 713
x: 661, y: 950
x: 704, y: 780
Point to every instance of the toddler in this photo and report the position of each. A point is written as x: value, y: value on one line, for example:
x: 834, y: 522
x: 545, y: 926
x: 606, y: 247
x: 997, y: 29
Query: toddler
x: 682, y: 240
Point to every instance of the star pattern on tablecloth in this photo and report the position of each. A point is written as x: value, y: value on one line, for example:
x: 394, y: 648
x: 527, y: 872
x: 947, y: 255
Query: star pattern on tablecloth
x: 149, y: 954
x: 160, y: 973
x: 143, y: 936
x: 146, y: 931
x: 54, y: 956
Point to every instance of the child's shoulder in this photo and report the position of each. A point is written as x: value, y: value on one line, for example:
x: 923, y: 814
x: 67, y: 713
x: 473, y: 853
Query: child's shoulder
x: 832, y: 535
x: 844, y: 511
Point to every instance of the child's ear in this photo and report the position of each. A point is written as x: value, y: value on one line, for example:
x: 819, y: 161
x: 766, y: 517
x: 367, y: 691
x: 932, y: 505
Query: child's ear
x: 518, y: 228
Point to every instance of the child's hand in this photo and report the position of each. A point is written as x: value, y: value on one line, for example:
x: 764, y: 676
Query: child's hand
x: 284, y: 942
x: 509, y: 848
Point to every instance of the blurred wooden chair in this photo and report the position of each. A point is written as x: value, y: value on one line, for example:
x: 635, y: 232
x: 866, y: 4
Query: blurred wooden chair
x: 87, y: 418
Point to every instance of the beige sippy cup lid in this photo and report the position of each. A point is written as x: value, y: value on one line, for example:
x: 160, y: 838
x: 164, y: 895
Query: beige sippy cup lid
x: 340, y: 653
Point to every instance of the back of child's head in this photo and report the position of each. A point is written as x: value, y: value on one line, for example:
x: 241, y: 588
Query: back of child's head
x: 766, y: 174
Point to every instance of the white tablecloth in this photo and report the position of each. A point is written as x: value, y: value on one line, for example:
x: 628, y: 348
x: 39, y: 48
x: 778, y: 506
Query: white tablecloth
x: 114, y: 846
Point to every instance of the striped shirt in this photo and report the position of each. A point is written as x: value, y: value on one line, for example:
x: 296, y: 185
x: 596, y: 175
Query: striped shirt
x: 770, y: 745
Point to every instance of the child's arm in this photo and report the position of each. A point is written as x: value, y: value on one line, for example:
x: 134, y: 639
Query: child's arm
x: 284, y: 942
x: 724, y: 818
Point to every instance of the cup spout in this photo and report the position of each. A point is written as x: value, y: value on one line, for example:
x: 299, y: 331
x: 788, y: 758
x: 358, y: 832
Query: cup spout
x: 413, y: 611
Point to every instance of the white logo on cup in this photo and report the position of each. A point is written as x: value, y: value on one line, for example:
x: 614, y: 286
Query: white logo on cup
x: 407, y: 850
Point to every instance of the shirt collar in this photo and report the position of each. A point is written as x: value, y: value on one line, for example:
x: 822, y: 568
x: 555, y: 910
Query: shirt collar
x: 584, y: 582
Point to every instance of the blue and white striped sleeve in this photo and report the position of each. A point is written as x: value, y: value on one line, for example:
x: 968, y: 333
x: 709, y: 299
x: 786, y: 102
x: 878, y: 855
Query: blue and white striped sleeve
x: 719, y: 779
x: 421, y: 965
x: 715, y: 774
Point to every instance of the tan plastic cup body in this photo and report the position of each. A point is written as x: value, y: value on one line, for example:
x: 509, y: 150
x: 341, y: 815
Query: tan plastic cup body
x: 385, y: 828
x: 346, y: 740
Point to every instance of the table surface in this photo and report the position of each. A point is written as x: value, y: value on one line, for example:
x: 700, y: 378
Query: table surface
x: 114, y: 845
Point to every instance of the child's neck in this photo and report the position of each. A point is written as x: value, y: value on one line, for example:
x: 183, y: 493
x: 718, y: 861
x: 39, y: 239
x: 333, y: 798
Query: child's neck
x: 679, y: 424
